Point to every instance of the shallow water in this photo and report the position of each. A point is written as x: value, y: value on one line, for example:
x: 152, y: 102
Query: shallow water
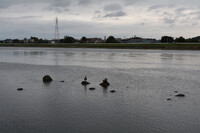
x: 143, y: 80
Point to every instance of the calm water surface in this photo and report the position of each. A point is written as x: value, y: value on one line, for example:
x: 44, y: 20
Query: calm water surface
x: 143, y: 80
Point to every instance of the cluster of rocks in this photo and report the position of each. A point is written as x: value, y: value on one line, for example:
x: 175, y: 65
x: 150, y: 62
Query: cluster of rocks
x: 104, y: 84
x: 47, y: 79
x: 177, y: 95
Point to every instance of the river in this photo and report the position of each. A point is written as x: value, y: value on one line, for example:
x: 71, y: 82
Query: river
x: 143, y: 81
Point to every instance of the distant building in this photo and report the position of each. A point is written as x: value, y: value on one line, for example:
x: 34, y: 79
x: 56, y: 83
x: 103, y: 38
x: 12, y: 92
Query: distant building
x: 8, y: 41
x: 138, y: 40
x: 94, y: 40
x: 54, y: 41
x: 196, y: 38
x: 119, y: 40
x: 29, y: 40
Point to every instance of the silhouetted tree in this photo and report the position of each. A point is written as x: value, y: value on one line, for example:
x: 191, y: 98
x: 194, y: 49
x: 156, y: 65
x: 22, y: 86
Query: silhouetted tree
x: 83, y: 39
x: 167, y: 39
x: 191, y: 40
x: 35, y: 39
x: 180, y: 39
x: 111, y: 39
x: 16, y: 41
x: 42, y: 41
x: 68, y: 39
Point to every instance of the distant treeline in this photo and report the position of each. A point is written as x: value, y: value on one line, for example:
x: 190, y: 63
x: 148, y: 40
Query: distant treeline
x: 169, y: 39
x: 110, y: 39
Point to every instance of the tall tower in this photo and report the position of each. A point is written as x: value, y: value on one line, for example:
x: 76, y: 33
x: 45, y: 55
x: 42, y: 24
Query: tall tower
x: 56, y: 34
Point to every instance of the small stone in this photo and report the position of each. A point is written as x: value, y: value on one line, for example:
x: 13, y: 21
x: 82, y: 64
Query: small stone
x: 113, y: 91
x: 47, y: 79
x: 176, y: 91
x: 180, y: 95
x: 91, y: 89
x: 20, y: 89
x: 62, y: 81
x: 85, y: 83
x: 169, y: 99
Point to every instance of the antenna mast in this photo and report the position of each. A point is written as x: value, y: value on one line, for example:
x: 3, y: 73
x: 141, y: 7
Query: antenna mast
x: 57, y: 35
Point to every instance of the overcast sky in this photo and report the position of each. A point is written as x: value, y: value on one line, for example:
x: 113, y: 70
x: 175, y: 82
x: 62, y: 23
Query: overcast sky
x: 99, y: 18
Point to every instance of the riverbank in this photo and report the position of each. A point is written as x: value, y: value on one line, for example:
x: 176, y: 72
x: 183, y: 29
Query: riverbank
x: 158, y: 46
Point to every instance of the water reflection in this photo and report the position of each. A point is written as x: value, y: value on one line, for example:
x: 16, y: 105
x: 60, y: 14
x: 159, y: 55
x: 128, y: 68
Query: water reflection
x: 167, y: 56
x: 69, y: 54
x: 47, y: 84
x: 98, y: 58
x: 105, y: 91
x: 29, y: 53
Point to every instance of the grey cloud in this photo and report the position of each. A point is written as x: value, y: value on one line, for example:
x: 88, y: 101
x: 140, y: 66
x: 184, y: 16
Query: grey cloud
x: 171, y: 6
x: 195, y: 14
x: 115, y: 14
x: 8, y: 3
x: 29, y: 17
x: 58, y: 9
x: 167, y: 14
x: 112, y: 7
x: 84, y: 2
x: 20, y: 18
x: 169, y: 20
x: 154, y: 7
x: 59, y: 6
x: 130, y: 2
x: 180, y: 10
x: 53, y: 3
x: 61, y: 3
x: 195, y: 24
x: 97, y: 11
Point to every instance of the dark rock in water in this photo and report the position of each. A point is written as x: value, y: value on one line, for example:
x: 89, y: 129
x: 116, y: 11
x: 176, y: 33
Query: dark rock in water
x: 47, y: 79
x: 85, y: 83
x: 91, y: 89
x: 20, y: 89
x: 62, y: 81
x: 113, y: 91
x: 105, y: 83
x: 180, y: 95
x: 169, y: 99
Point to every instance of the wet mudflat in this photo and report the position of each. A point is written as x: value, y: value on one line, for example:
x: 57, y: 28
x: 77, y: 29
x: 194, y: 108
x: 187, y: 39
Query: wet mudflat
x: 143, y: 81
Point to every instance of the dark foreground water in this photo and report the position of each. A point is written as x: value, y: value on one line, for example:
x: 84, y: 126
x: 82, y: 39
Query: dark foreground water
x: 143, y: 80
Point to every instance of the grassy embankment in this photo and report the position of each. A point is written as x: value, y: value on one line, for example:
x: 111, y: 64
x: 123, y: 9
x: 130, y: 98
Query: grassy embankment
x: 185, y: 46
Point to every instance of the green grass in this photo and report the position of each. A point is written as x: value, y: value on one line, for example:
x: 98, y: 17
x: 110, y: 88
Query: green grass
x: 185, y: 46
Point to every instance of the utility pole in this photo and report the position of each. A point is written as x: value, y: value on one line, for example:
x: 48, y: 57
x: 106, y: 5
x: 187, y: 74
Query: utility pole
x: 56, y: 34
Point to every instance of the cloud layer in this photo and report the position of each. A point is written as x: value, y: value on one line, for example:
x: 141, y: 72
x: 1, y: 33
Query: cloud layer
x: 94, y: 18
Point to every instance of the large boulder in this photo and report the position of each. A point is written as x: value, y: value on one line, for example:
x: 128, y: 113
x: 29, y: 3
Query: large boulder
x: 47, y: 79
